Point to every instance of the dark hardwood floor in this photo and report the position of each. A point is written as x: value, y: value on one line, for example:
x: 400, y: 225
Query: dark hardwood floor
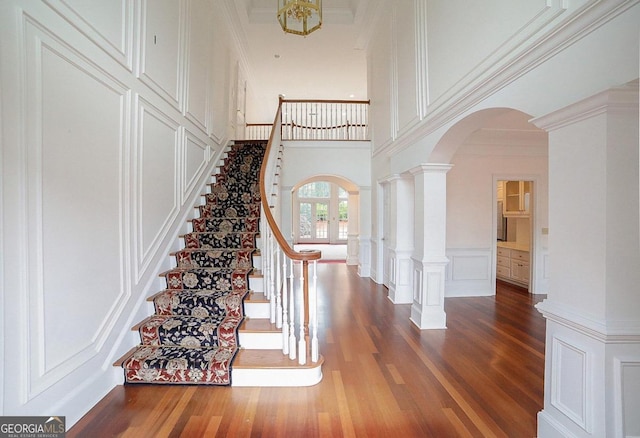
x: 481, y: 377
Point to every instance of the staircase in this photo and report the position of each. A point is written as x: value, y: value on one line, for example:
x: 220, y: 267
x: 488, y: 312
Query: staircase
x: 213, y: 324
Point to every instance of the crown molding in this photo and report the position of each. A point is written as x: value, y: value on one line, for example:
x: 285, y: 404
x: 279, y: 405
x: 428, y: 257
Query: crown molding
x: 619, y: 99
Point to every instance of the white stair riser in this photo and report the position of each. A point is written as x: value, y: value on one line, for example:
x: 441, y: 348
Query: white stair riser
x: 257, y: 310
x: 276, y: 377
x: 260, y: 341
x: 257, y: 262
x: 256, y: 284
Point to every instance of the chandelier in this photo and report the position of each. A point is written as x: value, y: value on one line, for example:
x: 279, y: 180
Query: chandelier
x: 300, y: 17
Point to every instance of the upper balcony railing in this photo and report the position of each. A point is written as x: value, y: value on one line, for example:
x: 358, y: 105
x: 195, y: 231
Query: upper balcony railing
x: 345, y: 120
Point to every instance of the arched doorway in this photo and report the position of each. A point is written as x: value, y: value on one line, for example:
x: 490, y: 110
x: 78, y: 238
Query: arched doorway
x: 498, y: 157
x: 325, y: 210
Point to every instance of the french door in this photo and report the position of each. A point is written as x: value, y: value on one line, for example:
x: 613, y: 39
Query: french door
x: 314, y: 222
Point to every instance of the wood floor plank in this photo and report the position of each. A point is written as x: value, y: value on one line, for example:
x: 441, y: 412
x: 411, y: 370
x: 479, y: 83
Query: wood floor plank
x: 457, y: 424
x: 487, y: 428
x: 482, y: 376
x: 346, y: 422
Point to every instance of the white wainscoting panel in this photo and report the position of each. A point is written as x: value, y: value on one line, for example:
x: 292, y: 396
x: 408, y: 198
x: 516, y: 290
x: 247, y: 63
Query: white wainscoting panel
x: 374, y: 261
x: 156, y: 180
x: 417, y: 286
x: 469, y: 272
x: 627, y: 396
x: 364, y: 256
x: 78, y: 116
x: 161, y: 48
x: 109, y: 24
x: 569, y: 383
x: 194, y: 162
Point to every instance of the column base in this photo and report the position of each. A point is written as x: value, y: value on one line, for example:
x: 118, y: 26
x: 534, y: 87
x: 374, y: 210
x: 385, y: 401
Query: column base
x: 428, y: 319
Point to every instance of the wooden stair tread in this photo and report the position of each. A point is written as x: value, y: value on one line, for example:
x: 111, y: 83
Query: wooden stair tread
x: 270, y: 359
x: 258, y: 325
x: 124, y: 357
x: 256, y: 297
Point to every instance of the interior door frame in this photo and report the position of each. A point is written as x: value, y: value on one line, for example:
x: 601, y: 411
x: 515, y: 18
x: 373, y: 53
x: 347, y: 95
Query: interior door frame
x: 533, y: 224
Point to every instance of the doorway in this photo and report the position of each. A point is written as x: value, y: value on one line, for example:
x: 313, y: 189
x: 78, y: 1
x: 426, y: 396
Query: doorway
x: 514, y: 231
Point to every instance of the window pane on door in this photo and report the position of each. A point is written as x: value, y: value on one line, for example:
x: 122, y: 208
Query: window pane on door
x: 322, y: 214
x: 305, y: 220
x: 343, y: 220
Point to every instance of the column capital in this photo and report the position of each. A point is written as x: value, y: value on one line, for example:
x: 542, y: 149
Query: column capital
x: 391, y: 178
x: 430, y: 168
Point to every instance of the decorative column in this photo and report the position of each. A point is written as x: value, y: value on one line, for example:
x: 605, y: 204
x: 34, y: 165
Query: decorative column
x: 364, y: 233
x: 400, y: 239
x: 353, y: 227
x: 592, y: 359
x: 429, y: 260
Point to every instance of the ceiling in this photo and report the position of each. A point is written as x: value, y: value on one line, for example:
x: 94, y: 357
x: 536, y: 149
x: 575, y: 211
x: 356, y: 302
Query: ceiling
x: 327, y: 64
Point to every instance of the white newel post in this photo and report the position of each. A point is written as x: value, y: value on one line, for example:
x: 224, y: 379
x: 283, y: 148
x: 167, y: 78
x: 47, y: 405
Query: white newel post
x: 592, y: 358
x: 429, y: 260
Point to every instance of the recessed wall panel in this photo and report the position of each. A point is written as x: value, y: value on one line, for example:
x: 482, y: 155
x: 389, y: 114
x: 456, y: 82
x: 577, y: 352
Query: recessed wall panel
x: 157, y: 178
x: 381, y: 117
x: 470, y: 267
x: 79, y: 191
x: 161, y: 48
x: 198, y: 60
x: 109, y: 24
x: 569, y: 392
x: 195, y: 160
x: 406, y: 56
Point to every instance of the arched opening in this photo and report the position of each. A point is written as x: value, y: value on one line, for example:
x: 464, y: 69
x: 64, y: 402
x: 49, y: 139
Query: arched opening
x: 325, y: 212
x: 497, y: 208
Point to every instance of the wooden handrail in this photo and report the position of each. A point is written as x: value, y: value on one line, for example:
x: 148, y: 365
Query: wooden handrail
x: 323, y: 101
x: 275, y: 229
x: 325, y: 128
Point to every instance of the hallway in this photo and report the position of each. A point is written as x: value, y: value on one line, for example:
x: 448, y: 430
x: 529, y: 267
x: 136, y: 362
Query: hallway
x: 483, y: 376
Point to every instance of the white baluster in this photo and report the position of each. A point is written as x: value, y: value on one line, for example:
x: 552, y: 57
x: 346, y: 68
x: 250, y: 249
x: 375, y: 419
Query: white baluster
x: 272, y: 292
x: 278, y: 290
x: 292, y: 316
x: 285, y: 309
x: 313, y: 303
x: 302, y: 342
x: 264, y: 238
x: 264, y: 231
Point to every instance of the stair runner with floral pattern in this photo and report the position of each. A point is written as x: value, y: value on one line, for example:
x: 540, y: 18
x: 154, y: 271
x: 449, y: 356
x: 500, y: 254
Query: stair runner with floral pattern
x: 193, y: 336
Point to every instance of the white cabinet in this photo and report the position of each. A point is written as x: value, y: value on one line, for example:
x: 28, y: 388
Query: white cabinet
x: 513, y: 266
x: 517, y: 197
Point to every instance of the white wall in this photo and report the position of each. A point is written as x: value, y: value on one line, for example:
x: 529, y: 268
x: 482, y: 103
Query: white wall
x: 471, y: 201
x: 113, y: 115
